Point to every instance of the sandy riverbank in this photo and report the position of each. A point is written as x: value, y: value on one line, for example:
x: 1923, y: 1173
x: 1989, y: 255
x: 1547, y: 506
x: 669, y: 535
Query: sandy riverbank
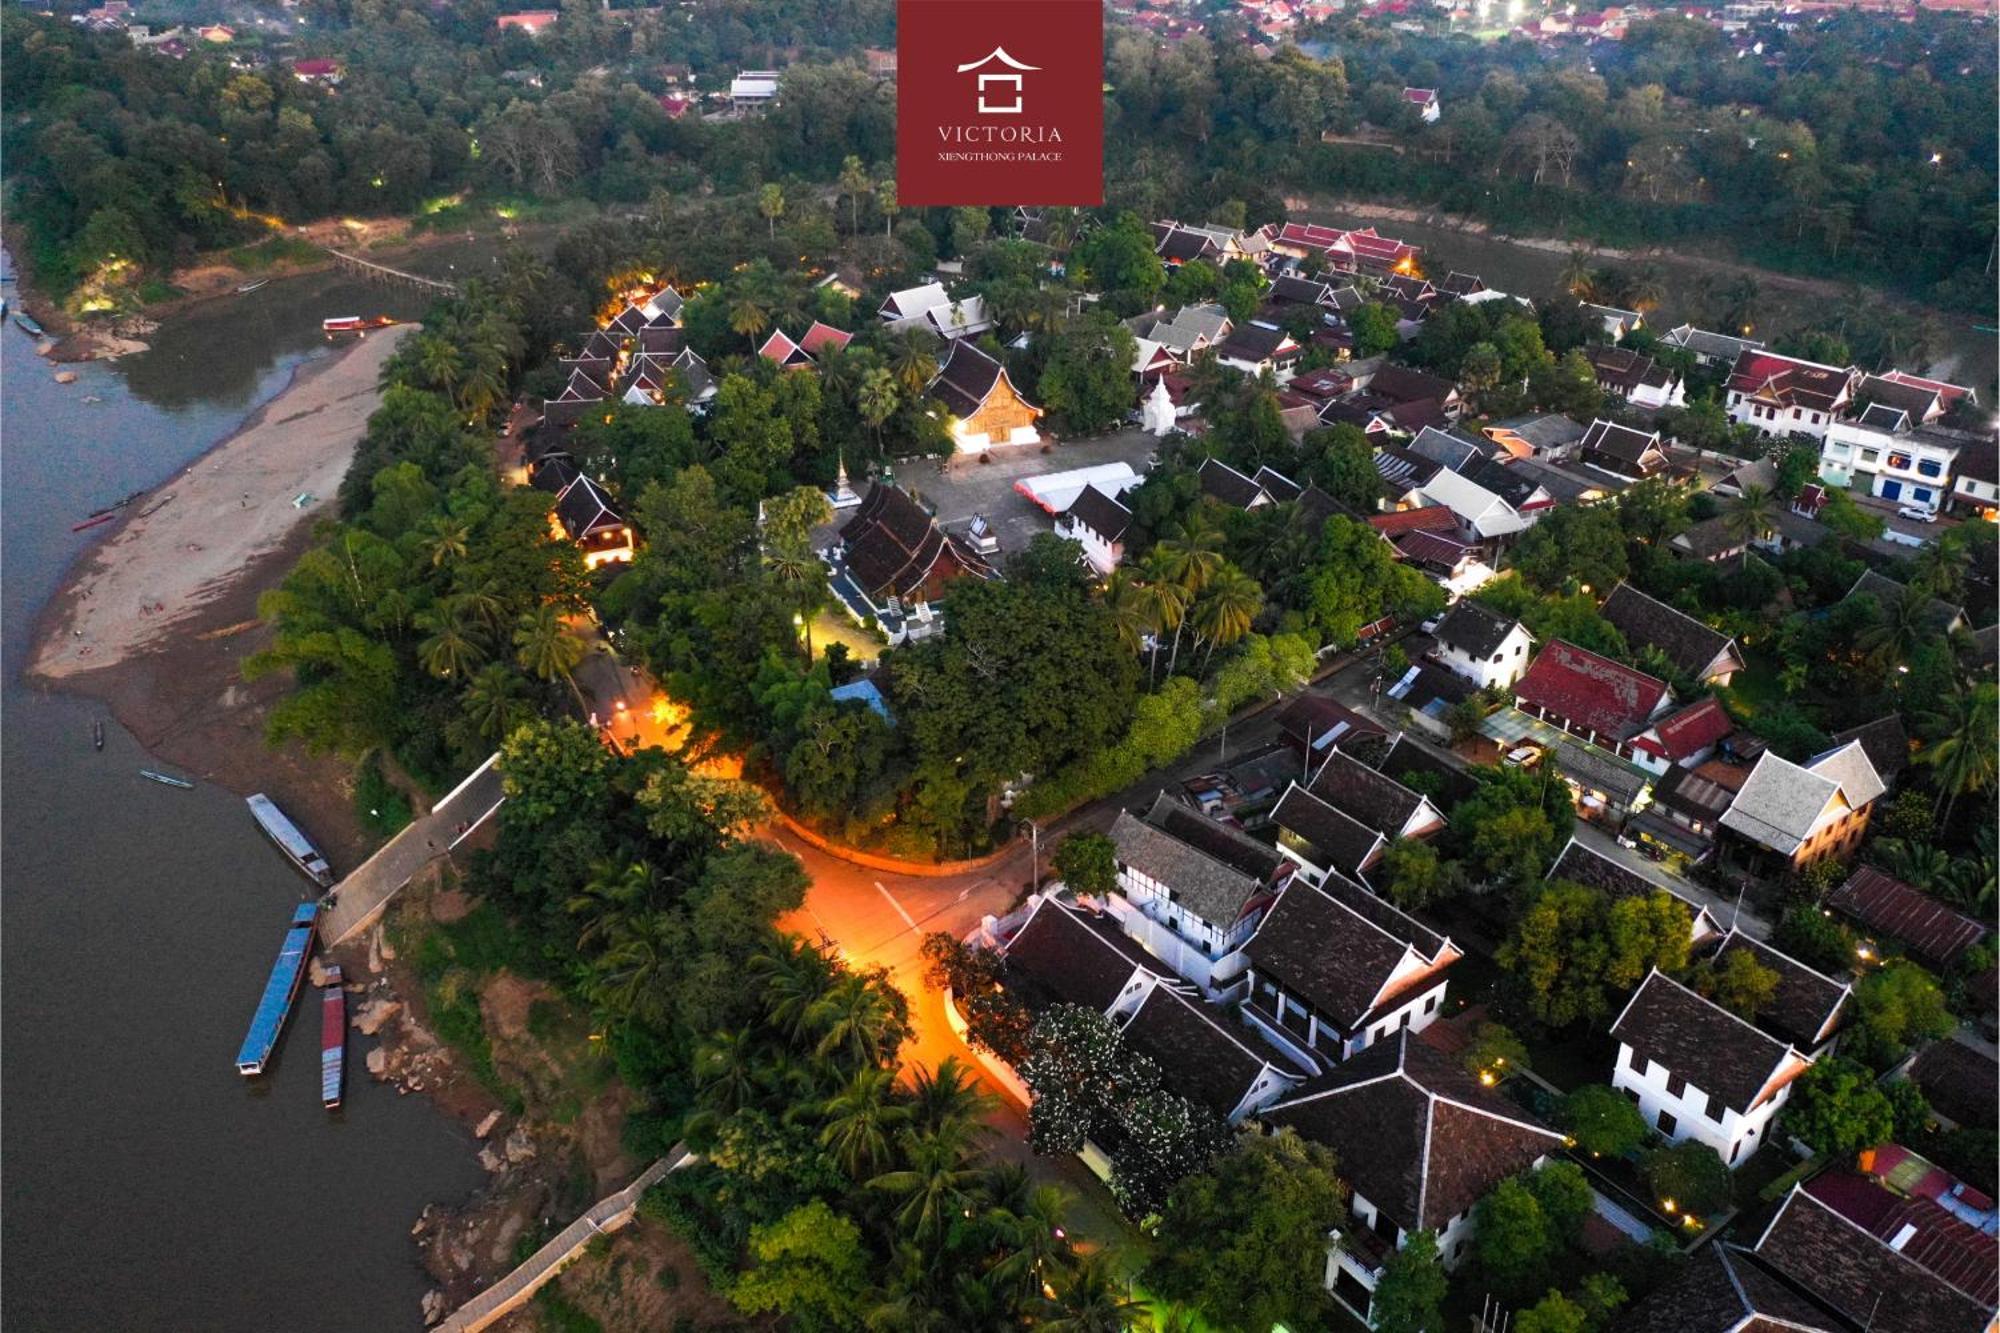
x: 188, y: 541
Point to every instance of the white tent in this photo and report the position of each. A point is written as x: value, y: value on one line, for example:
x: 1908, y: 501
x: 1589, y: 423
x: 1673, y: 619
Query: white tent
x: 1057, y: 491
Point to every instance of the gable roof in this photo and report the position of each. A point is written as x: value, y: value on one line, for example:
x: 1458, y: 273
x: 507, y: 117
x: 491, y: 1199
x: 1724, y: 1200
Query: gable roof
x: 1474, y: 629
x: 1728, y: 1058
x: 893, y: 547
x: 1226, y: 484
x: 1692, y: 729
x: 1884, y: 741
x: 1912, y: 1222
x: 1848, y: 765
x: 1546, y: 431
x: 1403, y: 385
x: 1888, y: 906
x: 1620, y: 449
x: 1787, y: 381
x: 967, y: 376
x: 1328, y: 838
x: 1348, y: 983
x: 1407, y: 759
x: 1376, y: 799
x: 1426, y: 518
x: 780, y: 348
x: 1198, y: 1054
x: 1590, y: 690
x: 1415, y: 1134
x: 1857, y: 1275
x: 1958, y: 1082
x: 1805, y: 1008
x: 1721, y: 1290
x: 1691, y: 646
x: 1256, y: 343
x: 1212, y: 871
x: 1941, y: 614
x: 1320, y: 722
x: 1449, y: 448
x: 1101, y: 513
x: 1779, y: 803
x: 1715, y: 346
x: 1075, y: 956
x: 822, y: 336
x: 913, y: 301
x: 1583, y: 865
x: 584, y: 508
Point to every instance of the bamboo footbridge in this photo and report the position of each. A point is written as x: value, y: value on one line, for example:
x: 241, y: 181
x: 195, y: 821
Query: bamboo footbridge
x: 368, y: 268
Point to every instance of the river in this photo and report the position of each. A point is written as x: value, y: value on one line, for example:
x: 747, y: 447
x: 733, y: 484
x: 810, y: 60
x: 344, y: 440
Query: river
x: 148, y: 1185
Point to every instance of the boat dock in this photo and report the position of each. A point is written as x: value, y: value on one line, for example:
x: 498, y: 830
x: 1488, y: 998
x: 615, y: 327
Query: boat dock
x: 368, y: 268
x: 359, y: 899
x: 279, y: 991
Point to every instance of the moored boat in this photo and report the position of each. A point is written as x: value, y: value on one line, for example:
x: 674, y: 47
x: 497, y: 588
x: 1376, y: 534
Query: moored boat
x: 92, y: 522
x: 332, y: 1037
x: 291, y: 840
x: 166, y: 779
x: 249, y: 287
x: 342, y: 324
x: 280, y: 990
x: 29, y: 325
x: 97, y: 735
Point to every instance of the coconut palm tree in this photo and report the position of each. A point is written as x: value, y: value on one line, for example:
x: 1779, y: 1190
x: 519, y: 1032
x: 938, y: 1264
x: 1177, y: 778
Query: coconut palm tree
x: 1189, y: 555
x: 1970, y: 883
x: 610, y: 898
x: 546, y: 646
x: 859, y: 1121
x: 1753, y: 514
x: 438, y: 363
x: 449, y: 648
x: 854, y: 183
x: 1038, y: 1253
x: 625, y: 977
x: 856, y: 1019
x: 1091, y: 1299
x: 1902, y: 622
x: 1962, y: 759
x: 1124, y: 598
x: 1578, y: 273
x: 1165, y: 601
x: 949, y: 1096
x: 936, y: 1186
x: 749, y: 317
x: 1649, y: 287
x: 794, y: 979
x: 798, y: 571
x: 1225, y: 612
x: 725, y: 1071
x: 876, y: 400
x: 445, y: 538
x: 771, y: 205
x: 912, y: 361
x: 885, y: 199
x: 494, y: 702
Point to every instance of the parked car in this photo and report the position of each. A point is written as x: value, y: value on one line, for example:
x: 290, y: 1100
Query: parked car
x: 1917, y: 513
x: 1523, y: 756
x: 1431, y: 626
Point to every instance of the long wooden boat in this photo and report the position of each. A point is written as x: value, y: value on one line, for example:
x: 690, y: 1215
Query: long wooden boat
x: 291, y: 839
x: 280, y: 990
x: 342, y: 324
x: 92, y: 522
x: 97, y: 735
x: 332, y: 1037
x: 29, y: 325
x: 249, y: 287
x: 166, y: 779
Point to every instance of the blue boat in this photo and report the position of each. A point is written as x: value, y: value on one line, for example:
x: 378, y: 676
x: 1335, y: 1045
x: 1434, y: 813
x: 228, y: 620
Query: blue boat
x: 279, y: 992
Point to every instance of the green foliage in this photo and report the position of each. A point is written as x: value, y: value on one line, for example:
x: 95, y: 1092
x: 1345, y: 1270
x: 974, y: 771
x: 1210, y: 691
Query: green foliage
x: 1086, y: 380
x: 1513, y: 826
x: 1245, y: 1241
x: 1575, y: 952
x: 1896, y: 1006
x: 1602, y: 1120
x: 1554, y: 1313
x: 1573, y: 544
x: 1815, y: 939
x: 1409, y: 1298
x: 1691, y: 1174
x: 1088, y: 864
x: 810, y: 1266
x: 1165, y: 725
x: 1737, y: 982
x: 1373, y: 327
x: 378, y: 802
x: 1494, y: 1050
x: 1526, y: 1222
x: 1836, y: 1109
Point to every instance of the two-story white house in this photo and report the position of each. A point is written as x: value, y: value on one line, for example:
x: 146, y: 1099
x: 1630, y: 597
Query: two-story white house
x: 1485, y: 647
x: 1097, y: 521
x: 1333, y: 969
x: 1699, y: 1072
x: 1975, y: 491
x: 1782, y: 395
x: 1420, y: 1142
x: 1889, y: 443
x: 1191, y: 890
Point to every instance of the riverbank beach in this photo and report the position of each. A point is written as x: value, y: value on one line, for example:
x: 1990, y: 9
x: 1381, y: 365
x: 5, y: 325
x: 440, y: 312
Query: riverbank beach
x: 187, y: 541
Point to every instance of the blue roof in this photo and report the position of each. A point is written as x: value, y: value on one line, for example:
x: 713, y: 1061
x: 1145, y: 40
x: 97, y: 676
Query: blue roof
x: 279, y: 991
x: 865, y: 691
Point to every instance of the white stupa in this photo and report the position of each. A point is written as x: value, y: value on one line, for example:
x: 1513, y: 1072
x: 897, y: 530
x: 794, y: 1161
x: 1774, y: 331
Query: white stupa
x: 1157, y: 416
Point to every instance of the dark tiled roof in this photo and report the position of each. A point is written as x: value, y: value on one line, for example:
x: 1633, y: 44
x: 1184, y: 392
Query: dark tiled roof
x: 1621, y: 445
x: 1449, y: 449
x: 1598, y: 771
x: 1980, y: 461
x: 1414, y: 1133
x: 1319, y: 721
x: 1331, y: 839
x: 1277, y: 485
x: 1101, y: 513
x: 1867, y: 1282
x: 1404, y: 470
x: 1692, y: 794
x: 1890, y: 907
x: 1376, y: 799
x: 1509, y: 481
x: 1228, y: 485
x: 1198, y: 1055
x: 1239, y: 851
x: 1943, y: 1245
x: 1958, y: 1081
x: 892, y: 545
x: 1726, y: 1057
x: 1475, y: 629
x: 1433, y: 551
x: 585, y: 509
x: 1180, y: 854
x: 1885, y: 590
x: 1884, y: 741
x: 1547, y: 431
x: 1590, y: 690
x: 1916, y: 401
x: 553, y: 474
x: 1298, y: 291
x: 1805, y: 1007
x: 1711, y: 539
x: 1336, y: 946
x: 1580, y: 865
x: 1647, y: 621
x: 1720, y: 1290
x: 1075, y: 958
x: 1253, y: 342
x: 1403, y: 385
x: 965, y: 378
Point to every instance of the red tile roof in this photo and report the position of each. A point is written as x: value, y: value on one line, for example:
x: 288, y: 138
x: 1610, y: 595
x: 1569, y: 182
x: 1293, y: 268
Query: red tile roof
x: 1892, y: 907
x: 1955, y: 1251
x: 1693, y: 728
x: 822, y: 336
x: 1791, y: 382
x: 1430, y: 518
x: 1427, y: 548
x: 1589, y: 690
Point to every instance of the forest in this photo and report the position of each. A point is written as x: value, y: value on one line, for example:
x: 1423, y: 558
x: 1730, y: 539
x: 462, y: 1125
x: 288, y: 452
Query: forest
x: 1799, y: 158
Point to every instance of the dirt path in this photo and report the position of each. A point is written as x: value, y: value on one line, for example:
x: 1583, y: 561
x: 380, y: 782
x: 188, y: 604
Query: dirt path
x: 185, y: 544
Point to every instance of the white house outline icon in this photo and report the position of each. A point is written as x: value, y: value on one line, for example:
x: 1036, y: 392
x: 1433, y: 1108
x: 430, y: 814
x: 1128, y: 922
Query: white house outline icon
x: 1012, y: 82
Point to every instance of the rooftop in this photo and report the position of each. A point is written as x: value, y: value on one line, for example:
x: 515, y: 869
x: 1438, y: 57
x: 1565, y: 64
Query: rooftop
x: 1076, y: 956
x: 1890, y: 907
x: 1591, y: 691
x: 1725, y: 1056
x: 1865, y: 1280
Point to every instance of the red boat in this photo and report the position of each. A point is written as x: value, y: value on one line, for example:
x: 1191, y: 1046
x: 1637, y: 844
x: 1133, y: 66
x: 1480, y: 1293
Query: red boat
x: 332, y: 1037
x: 342, y: 324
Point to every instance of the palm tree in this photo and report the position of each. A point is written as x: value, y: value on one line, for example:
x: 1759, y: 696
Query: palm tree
x: 877, y: 400
x: 545, y: 645
x: 885, y: 199
x: 1739, y: 302
x: 1059, y: 226
x: 1092, y: 1299
x: 484, y: 389
x: 856, y: 1019
x: 1915, y: 863
x: 610, y: 898
x: 448, y: 649
x: 1577, y: 272
x: 1970, y: 883
x: 493, y: 702
x: 949, y: 1096
x: 1038, y: 1253
x: 794, y: 979
x: 1902, y: 623
x: 1165, y: 600
x: 725, y: 1071
x: 854, y: 183
x: 1753, y: 514
x: 1962, y: 759
x: 439, y: 363
x: 625, y: 977
x: 858, y: 1122
x: 749, y: 317
x: 935, y: 1187
x: 445, y: 538
x: 1125, y: 599
x: 1649, y: 287
x: 913, y: 363
x: 799, y: 572
x: 771, y: 204
x: 1224, y: 614
x: 1189, y: 555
